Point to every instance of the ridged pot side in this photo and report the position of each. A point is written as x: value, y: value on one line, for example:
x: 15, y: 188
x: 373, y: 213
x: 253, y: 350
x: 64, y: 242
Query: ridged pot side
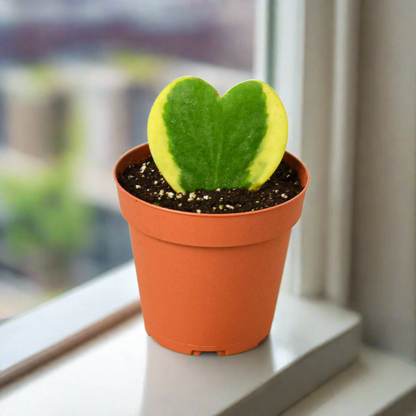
x: 208, y: 282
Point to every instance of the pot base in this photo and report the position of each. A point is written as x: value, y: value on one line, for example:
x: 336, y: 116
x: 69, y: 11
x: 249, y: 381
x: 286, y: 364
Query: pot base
x: 190, y: 349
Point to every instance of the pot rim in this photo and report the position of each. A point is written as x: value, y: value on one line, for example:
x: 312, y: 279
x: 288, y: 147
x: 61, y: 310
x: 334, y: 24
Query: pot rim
x: 195, y: 214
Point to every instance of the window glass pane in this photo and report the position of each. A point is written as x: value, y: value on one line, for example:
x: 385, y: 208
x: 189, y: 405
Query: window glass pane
x: 77, y: 80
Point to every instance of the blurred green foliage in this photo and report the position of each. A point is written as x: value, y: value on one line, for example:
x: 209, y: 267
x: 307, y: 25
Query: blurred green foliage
x: 44, y: 214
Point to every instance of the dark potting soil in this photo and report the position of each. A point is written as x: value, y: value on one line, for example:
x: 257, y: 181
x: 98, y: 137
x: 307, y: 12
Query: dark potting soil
x: 144, y: 181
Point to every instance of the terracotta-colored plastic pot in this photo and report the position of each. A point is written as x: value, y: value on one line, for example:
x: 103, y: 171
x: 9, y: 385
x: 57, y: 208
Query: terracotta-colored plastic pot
x: 208, y: 282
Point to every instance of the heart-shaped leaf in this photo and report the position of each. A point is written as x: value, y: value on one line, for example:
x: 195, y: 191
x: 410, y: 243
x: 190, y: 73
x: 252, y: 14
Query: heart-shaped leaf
x: 200, y: 140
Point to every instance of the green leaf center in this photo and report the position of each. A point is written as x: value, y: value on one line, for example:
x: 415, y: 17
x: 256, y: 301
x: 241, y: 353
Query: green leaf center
x: 212, y: 139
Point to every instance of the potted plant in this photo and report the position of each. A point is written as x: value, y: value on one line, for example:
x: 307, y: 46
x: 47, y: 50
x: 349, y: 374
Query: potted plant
x: 209, y: 278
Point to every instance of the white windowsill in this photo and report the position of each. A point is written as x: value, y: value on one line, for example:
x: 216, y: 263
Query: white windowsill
x: 378, y: 383
x: 54, y: 327
x: 124, y: 372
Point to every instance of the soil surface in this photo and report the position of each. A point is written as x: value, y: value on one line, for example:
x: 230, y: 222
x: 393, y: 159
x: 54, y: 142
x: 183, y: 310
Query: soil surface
x: 144, y: 181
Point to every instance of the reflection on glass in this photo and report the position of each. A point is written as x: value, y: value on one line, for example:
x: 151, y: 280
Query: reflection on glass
x: 77, y: 80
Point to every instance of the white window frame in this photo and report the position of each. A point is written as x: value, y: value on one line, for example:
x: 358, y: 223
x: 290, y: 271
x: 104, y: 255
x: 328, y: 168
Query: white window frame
x: 345, y: 71
x: 308, y: 52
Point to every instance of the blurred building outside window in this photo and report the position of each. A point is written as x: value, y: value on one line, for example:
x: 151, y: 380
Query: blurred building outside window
x: 77, y: 81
